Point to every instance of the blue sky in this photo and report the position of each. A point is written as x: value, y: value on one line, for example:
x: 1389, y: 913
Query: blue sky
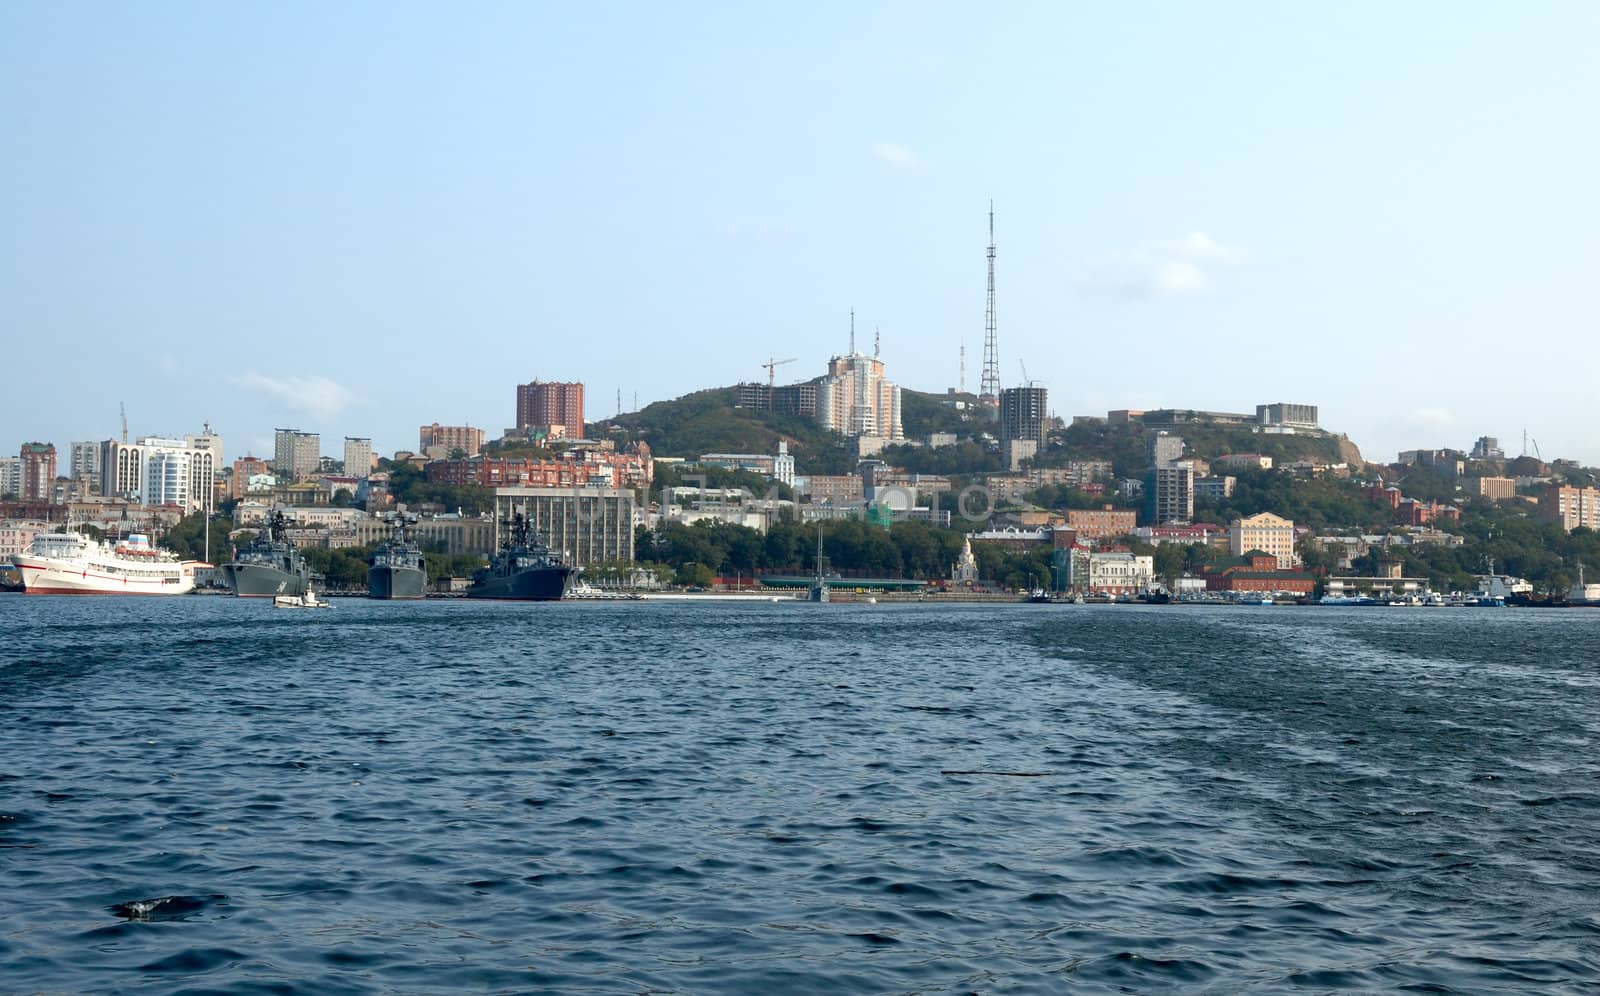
x: 357, y: 218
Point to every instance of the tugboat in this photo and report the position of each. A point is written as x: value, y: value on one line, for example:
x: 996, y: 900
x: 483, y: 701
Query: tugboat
x: 397, y: 569
x: 270, y: 565
x: 523, y: 569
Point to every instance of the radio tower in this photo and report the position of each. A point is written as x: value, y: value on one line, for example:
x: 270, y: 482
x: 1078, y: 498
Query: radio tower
x: 989, y: 388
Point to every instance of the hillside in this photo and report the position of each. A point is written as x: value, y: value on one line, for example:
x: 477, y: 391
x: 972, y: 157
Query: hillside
x: 708, y: 422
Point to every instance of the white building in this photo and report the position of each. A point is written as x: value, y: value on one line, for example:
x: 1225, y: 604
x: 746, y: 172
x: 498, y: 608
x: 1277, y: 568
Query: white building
x: 1120, y: 573
x: 207, y: 441
x: 171, y: 472
x: 10, y: 475
x: 357, y: 456
x: 783, y: 466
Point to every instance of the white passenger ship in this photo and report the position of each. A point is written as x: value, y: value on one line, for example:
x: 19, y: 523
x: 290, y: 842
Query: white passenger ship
x: 73, y: 564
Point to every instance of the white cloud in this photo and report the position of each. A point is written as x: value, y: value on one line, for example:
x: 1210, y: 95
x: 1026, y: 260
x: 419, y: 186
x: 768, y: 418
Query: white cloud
x: 1171, y: 268
x: 897, y: 155
x: 1199, y: 245
x: 1175, y: 277
x: 316, y: 396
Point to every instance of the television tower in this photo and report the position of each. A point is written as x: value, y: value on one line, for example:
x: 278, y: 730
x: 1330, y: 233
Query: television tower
x: 989, y: 388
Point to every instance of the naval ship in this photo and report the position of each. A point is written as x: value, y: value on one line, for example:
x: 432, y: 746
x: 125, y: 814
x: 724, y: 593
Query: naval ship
x: 269, y: 565
x: 522, y: 569
x: 397, y: 569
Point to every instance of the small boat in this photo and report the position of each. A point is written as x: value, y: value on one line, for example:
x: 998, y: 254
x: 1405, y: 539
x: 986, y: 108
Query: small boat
x: 307, y: 601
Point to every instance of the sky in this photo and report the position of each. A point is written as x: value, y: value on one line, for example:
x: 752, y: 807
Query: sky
x: 358, y: 218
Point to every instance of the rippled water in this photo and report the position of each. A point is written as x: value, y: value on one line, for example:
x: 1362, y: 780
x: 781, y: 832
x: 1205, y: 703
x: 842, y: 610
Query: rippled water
x: 202, y: 793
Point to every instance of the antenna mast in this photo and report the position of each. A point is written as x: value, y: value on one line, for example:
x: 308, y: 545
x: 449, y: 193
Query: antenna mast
x: 852, y: 331
x: 962, y: 382
x: 989, y: 389
x: 123, y: 408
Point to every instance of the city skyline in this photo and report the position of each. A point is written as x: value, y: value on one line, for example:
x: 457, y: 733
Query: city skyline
x: 231, y: 219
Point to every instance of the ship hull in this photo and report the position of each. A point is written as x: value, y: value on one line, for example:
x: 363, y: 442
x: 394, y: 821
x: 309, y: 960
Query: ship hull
x: 395, y: 582
x: 260, y: 581
x: 537, y: 584
x: 42, y: 576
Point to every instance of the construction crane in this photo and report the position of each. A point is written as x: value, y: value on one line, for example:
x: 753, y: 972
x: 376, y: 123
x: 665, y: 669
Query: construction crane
x: 772, y: 366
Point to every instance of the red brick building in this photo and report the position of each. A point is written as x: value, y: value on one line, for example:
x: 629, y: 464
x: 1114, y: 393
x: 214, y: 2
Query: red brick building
x: 38, y: 471
x: 1258, y: 571
x: 551, y: 403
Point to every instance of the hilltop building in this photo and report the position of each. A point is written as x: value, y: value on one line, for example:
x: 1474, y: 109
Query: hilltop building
x: 551, y: 404
x: 856, y: 399
x: 439, y: 441
x: 1282, y: 414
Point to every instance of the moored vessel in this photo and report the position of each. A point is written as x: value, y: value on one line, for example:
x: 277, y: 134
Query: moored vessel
x: 269, y: 565
x: 523, y: 569
x: 72, y: 563
x: 397, y: 568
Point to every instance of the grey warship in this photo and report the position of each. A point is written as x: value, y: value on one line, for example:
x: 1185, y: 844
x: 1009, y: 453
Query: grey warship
x: 523, y: 568
x: 269, y: 565
x: 397, y: 568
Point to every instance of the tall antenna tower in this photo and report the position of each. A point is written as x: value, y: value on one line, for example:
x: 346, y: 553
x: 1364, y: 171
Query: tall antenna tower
x: 852, y: 331
x: 962, y: 383
x: 989, y: 388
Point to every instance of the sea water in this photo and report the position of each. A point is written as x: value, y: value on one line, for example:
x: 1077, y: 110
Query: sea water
x: 210, y: 794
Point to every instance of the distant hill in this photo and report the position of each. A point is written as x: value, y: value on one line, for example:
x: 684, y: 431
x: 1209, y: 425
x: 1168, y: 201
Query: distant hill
x: 708, y: 422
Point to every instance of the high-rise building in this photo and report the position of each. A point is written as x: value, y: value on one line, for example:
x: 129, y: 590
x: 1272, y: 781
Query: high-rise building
x: 10, y: 476
x: 857, y: 400
x: 1570, y: 507
x: 295, y: 453
x: 38, y: 471
x: 357, y: 456
x: 439, y: 441
x: 1174, y: 493
x: 85, y: 463
x: 174, y: 473
x: 1265, y: 532
x: 207, y: 441
x: 121, y: 469
x: 1165, y: 448
x: 1024, y: 413
x: 549, y: 403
